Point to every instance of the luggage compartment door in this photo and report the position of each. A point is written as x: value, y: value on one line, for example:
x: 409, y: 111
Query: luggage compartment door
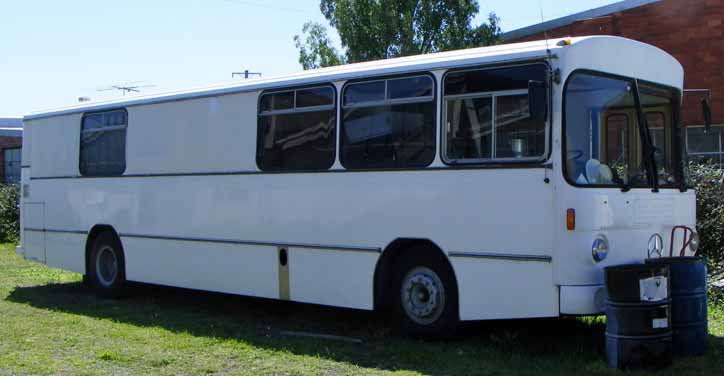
x: 34, y: 230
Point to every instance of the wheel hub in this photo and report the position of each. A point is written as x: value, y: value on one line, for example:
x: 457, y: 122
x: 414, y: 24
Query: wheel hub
x: 422, y: 295
x: 106, y: 266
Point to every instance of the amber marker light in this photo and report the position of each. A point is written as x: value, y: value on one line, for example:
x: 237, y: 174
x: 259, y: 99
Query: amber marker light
x: 564, y: 42
x: 571, y: 219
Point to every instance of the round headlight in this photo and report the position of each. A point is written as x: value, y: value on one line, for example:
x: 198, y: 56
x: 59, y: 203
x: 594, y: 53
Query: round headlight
x: 599, y: 250
x: 694, y: 242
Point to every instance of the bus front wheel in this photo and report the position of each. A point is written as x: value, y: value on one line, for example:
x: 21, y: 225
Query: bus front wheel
x: 427, y: 302
x: 107, y: 272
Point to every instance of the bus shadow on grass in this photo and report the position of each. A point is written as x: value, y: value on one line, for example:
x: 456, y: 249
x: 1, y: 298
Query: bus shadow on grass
x: 547, y: 343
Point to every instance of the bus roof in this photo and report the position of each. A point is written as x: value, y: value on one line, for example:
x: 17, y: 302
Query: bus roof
x: 441, y: 60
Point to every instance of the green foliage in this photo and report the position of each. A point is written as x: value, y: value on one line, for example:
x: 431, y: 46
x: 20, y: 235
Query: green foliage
x: 317, y: 50
x: 716, y: 298
x: 708, y: 181
x: 381, y: 29
x: 9, y: 213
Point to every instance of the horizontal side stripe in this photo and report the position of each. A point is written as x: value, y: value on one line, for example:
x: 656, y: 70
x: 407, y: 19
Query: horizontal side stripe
x: 55, y: 230
x: 502, y: 256
x: 226, y: 241
x: 524, y: 164
x: 255, y: 242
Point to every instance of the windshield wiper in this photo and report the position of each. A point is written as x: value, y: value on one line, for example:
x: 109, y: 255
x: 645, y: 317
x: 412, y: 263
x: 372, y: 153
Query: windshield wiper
x: 648, y: 147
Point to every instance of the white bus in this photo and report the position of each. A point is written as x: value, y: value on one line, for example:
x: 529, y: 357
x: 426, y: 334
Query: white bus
x: 488, y: 183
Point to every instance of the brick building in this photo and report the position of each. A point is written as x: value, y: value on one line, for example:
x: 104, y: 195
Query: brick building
x: 690, y: 30
x: 11, y: 141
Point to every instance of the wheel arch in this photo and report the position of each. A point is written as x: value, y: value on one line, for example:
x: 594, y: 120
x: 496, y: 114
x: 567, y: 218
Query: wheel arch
x: 92, y: 235
x: 385, y: 267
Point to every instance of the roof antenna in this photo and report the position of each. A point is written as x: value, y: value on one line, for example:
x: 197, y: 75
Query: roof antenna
x: 555, y: 73
x: 545, y: 30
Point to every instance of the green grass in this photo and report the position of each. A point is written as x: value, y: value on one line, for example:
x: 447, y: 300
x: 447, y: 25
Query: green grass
x: 51, y: 324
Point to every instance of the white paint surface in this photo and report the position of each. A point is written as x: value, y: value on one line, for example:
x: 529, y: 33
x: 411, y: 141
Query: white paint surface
x: 501, y: 211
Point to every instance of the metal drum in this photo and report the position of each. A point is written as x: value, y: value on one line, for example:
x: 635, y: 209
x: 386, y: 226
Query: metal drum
x: 688, y: 303
x: 638, y: 326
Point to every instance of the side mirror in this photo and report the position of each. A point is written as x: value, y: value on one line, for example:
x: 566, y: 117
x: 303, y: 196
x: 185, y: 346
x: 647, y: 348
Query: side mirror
x: 538, y: 100
x: 706, y: 110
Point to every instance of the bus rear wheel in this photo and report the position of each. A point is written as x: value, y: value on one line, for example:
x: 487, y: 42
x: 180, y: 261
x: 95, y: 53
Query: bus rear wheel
x: 107, y: 272
x: 426, y: 299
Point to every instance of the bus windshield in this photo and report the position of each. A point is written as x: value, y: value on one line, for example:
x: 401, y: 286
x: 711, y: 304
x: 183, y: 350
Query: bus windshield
x: 604, y: 145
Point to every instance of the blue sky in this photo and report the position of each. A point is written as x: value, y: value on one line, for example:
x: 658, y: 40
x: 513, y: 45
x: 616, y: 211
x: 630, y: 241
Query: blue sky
x: 56, y: 51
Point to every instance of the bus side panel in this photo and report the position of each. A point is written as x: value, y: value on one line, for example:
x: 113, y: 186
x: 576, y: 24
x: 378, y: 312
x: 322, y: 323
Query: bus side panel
x: 331, y: 277
x: 66, y: 251
x: 25, y: 162
x: 34, y: 231
x: 54, y: 146
x: 503, y: 289
x: 227, y: 268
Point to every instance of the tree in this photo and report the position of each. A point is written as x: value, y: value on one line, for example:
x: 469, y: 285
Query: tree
x: 381, y: 29
x: 317, y: 51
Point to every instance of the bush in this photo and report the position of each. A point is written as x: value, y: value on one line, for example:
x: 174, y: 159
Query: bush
x: 9, y: 213
x: 708, y: 181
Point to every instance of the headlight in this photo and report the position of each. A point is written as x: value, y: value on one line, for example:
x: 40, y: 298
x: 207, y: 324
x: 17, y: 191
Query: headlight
x: 599, y: 250
x: 694, y: 242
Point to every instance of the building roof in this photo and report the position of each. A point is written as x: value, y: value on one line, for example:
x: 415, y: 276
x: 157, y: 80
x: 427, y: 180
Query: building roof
x: 11, y: 122
x: 11, y: 132
x: 11, y: 127
x: 567, y: 20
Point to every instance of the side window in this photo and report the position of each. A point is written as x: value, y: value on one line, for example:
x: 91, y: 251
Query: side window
x: 296, y: 130
x: 487, y: 115
x: 388, y: 123
x: 103, y: 143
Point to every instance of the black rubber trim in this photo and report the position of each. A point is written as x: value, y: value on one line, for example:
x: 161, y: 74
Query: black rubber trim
x: 54, y: 230
x: 253, y: 242
x: 510, y: 166
x: 226, y: 241
x: 502, y: 256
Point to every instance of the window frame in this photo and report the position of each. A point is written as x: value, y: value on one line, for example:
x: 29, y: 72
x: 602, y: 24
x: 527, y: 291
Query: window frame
x: 391, y: 102
x: 104, y: 129
x: 495, y: 162
x: 294, y: 110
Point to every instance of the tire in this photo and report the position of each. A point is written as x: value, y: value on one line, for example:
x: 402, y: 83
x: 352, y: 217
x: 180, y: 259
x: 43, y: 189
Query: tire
x: 425, y: 297
x: 107, y: 267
